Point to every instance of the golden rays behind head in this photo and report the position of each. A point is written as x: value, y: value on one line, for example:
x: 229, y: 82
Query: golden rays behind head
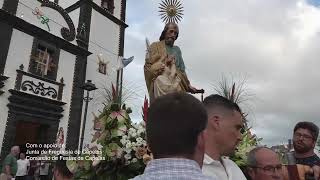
x: 171, y: 11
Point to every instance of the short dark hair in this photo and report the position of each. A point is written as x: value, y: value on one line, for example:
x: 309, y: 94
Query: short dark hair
x: 61, y: 167
x: 314, y: 129
x: 174, y: 123
x: 216, y: 100
x: 166, y: 27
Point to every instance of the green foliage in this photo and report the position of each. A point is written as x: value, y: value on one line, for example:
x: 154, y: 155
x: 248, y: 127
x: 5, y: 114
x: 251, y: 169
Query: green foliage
x: 248, y: 142
x: 123, y: 147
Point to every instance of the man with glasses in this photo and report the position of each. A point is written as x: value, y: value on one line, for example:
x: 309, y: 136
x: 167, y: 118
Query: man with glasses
x: 305, y: 136
x: 264, y: 164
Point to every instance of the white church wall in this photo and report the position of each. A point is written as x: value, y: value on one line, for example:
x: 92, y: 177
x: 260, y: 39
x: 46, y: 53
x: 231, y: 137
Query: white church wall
x: 104, y: 42
x: 27, y: 9
x: 1, y: 3
x: 19, y: 53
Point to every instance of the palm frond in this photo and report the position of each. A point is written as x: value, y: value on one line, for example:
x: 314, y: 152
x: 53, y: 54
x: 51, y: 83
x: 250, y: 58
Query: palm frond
x: 234, y: 90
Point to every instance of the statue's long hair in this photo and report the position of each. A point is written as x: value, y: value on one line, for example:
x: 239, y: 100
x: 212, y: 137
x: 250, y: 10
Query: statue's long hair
x: 166, y: 27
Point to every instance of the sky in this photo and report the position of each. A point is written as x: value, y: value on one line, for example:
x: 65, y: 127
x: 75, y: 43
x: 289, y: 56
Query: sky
x: 271, y: 44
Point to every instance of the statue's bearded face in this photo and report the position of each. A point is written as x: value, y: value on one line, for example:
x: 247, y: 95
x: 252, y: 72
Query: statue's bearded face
x: 171, y: 34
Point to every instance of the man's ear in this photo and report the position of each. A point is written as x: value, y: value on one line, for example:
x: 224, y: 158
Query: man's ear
x: 214, y: 121
x: 251, y: 172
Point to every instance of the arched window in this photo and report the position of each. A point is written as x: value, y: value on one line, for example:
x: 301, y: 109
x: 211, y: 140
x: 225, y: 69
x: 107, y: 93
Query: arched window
x: 108, y: 5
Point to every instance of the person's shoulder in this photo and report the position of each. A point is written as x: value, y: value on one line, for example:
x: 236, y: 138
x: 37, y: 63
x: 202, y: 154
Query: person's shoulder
x: 139, y: 177
x: 156, y: 43
x: 211, y: 177
x: 176, y: 47
x: 9, y: 157
x: 229, y: 163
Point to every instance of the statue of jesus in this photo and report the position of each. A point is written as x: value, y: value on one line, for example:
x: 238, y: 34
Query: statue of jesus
x: 164, y: 68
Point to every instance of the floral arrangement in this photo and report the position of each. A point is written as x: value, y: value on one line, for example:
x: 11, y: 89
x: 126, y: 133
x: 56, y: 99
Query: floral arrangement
x: 248, y: 143
x: 122, y: 144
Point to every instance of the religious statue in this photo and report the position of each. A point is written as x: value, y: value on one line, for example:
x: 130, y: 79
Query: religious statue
x: 164, y: 68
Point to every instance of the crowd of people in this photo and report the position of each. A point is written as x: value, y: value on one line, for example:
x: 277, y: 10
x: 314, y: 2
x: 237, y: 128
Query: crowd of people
x: 23, y: 169
x: 193, y: 140
x: 199, y: 137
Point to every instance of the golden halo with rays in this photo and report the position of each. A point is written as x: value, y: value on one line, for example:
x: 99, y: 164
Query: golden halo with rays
x: 171, y: 11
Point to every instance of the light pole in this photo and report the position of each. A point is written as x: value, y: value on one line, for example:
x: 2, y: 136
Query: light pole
x: 88, y: 86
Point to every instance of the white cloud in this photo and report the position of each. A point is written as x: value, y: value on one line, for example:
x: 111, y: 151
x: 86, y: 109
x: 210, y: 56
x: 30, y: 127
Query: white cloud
x: 275, y: 43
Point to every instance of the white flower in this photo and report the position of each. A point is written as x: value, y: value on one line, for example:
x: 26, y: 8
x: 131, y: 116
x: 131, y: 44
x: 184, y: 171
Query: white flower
x: 128, y: 145
x: 131, y: 130
x: 139, y: 139
x: 125, y: 137
x: 127, y: 156
x: 139, y: 144
x: 140, y: 131
x: 123, y: 141
x: 134, y: 160
x: 127, y: 150
x: 134, y: 134
x: 133, y: 144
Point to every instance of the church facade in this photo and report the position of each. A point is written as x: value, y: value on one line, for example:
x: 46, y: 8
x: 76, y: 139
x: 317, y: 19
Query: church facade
x: 49, y: 50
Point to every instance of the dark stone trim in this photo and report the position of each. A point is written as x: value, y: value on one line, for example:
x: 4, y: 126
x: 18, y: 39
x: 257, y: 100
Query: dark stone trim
x: 2, y: 79
x: 9, y: 135
x: 5, y: 36
x: 99, y: 9
x: 111, y: 10
x: 60, y: 90
x: 49, y: 104
x: 26, y: 107
x: 67, y: 34
x: 39, y: 77
x: 56, y: 1
x: 123, y: 10
x: 121, y: 44
x: 35, y: 31
x: 18, y: 82
x: 10, y: 6
x: 38, y: 89
x: 74, y: 124
x: 14, y: 116
x: 75, y: 6
x: 108, y: 15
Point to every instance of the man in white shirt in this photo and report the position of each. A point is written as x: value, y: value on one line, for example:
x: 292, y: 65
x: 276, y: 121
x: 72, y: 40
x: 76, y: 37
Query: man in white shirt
x: 44, y: 170
x: 225, y: 122
x: 23, y: 167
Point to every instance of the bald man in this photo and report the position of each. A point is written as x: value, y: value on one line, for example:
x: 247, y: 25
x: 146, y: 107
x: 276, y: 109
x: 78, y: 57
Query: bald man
x: 264, y: 164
